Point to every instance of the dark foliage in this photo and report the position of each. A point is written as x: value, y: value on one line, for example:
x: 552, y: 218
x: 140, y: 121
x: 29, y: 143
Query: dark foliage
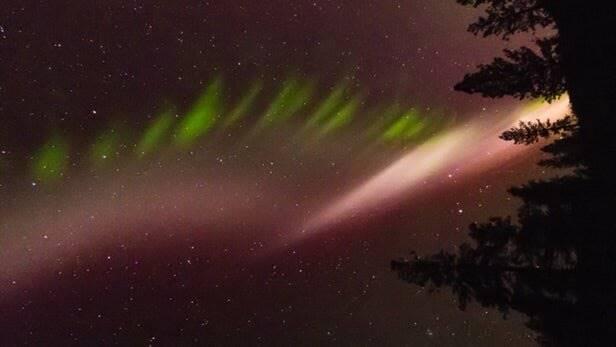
x: 508, y: 17
x: 556, y: 263
x: 530, y: 132
x: 522, y: 73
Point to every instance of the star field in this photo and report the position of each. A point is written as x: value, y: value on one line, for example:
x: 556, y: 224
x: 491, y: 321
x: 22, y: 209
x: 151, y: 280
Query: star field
x: 240, y: 172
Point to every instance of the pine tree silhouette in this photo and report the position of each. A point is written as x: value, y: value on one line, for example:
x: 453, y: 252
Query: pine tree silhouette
x: 557, y: 263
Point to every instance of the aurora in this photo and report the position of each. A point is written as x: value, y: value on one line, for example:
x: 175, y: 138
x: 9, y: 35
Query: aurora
x: 295, y: 104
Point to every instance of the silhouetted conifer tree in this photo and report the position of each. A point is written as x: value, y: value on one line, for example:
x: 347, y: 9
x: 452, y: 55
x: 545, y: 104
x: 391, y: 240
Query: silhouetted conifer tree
x: 557, y: 264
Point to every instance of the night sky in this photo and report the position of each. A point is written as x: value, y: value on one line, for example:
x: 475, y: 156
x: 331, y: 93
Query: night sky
x: 242, y: 172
